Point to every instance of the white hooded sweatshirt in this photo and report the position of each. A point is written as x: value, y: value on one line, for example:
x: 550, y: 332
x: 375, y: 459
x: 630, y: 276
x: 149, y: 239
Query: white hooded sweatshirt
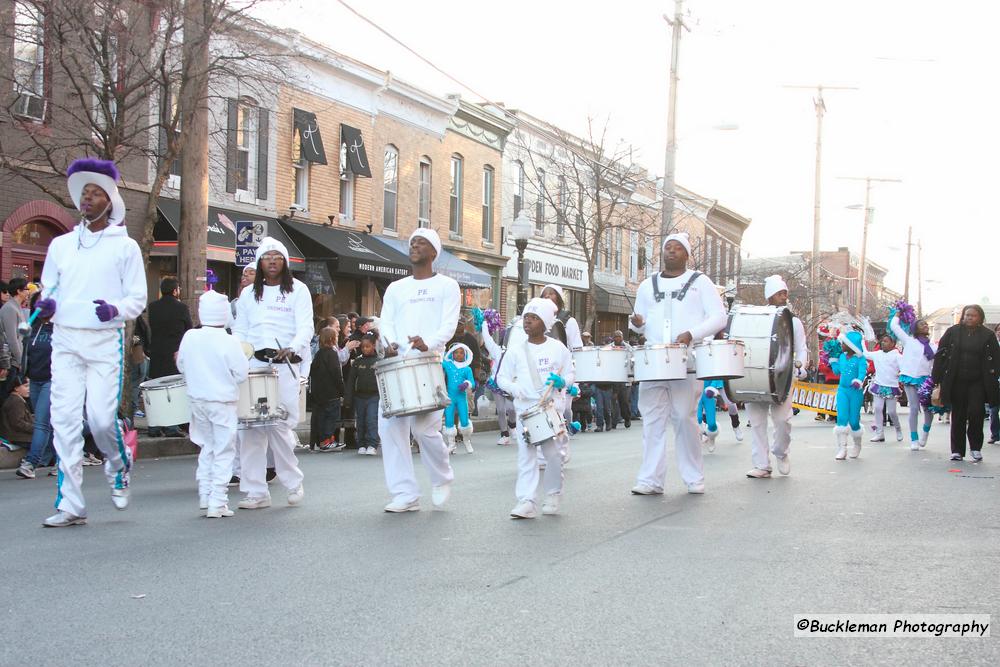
x: 82, y: 267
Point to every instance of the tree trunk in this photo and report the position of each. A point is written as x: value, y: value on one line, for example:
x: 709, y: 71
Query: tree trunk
x: 191, y: 237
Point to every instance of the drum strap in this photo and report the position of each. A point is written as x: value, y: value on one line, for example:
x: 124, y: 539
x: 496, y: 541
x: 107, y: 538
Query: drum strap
x: 676, y: 294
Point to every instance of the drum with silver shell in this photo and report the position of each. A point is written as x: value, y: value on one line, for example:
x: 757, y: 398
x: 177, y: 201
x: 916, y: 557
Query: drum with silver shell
x: 166, y: 401
x: 766, y: 333
x: 660, y: 362
x: 601, y: 364
x: 411, y: 385
x: 259, y: 403
x: 719, y: 359
x: 541, y: 422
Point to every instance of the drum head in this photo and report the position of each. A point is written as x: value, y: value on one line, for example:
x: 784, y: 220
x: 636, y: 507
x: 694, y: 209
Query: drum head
x: 782, y: 350
x: 165, y: 381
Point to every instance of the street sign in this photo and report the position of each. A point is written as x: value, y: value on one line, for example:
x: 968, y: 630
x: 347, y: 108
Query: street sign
x: 249, y: 234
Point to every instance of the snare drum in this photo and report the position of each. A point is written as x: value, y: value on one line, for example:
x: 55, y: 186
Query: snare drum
x: 660, y: 362
x: 260, y: 403
x: 541, y: 422
x: 719, y: 359
x: 303, y: 392
x: 166, y: 401
x: 597, y: 364
x: 766, y: 332
x: 411, y: 385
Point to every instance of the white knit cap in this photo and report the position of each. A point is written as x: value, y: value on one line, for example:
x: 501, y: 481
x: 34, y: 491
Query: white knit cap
x: 773, y: 285
x: 558, y: 290
x: 249, y: 267
x: 267, y: 245
x: 680, y: 237
x: 543, y: 308
x: 214, y: 309
x: 431, y: 236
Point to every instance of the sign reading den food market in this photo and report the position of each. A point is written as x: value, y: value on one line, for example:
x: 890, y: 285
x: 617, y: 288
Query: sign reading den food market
x: 548, y: 267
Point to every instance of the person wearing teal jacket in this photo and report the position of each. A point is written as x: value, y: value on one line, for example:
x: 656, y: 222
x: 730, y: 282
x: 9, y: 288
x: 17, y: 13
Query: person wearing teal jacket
x: 459, y: 379
x: 852, y: 368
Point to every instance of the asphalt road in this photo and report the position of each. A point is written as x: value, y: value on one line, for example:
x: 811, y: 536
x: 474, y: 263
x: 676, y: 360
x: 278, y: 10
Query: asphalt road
x: 615, y: 579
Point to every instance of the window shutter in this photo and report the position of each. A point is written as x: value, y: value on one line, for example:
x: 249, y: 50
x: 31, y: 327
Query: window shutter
x: 231, y: 145
x: 262, y: 136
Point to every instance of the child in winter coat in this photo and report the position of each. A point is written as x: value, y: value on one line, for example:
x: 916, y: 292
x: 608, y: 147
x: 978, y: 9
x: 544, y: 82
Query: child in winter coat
x: 852, y: 368
x: 326, y: 383
x: 460, y: 381
x: 362, y: 395
x: 18, y: 422
x: 885, y: 388
x: 582, y: 410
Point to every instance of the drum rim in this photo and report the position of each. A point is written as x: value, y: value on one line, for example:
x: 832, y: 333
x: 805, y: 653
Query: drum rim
x: 599, y: 348
x: 423, y: 357
x: 659, y: 346
x: 263, y: 371
x: 165, y: 382
x: 724, y: 341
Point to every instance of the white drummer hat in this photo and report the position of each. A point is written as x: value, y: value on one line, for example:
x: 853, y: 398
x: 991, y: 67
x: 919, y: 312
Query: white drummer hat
x: 773, y: 285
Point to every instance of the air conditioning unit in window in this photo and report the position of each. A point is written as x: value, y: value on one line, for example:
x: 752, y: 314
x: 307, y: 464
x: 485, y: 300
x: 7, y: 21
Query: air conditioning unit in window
x: 31, y: 107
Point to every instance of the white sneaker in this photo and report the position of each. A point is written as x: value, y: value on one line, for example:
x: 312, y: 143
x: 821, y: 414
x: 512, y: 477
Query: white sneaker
x: 696, y: 488
x: 784, y: 465
x: 503, y: 440
x: 759, y: 473
x: 296, y: 495
x: 62, y: 519
x: 372, y: 451
x: 977, y: 456
x: 524, y: 510
x: 914, y: 447
x: 397, y: 506
x: 120, y: 498
x: 646, y: 490
x: 219, y: 512
x: 739, y: 433
x: 923, y: 437
x: 440, y: 494
x: 254, y: 502
x: 362, y: 451
x: 551, y: 504
x: 878, y: 437
x: 899, y: 434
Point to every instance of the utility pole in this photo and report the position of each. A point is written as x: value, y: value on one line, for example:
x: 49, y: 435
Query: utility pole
x: 193, y: 233
x: 869, y: 211
x: 906, y: 283
x: 814, y: 260
x: 670, y: 157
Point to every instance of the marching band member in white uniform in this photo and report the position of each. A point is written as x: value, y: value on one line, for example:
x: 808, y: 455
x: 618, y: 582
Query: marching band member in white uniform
x: 776, y: 293
x: 275, y: 316
x: 419, y: 314
x: 673, y: 306
x: 96, y: 263
x: 529, y: 368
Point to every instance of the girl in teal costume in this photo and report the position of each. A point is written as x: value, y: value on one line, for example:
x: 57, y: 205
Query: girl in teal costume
x: 852, y: 368
x: 459, y: 380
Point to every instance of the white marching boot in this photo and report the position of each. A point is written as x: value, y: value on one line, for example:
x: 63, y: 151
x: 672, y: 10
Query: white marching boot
x: 856, y: 447
x: 449, y: 438
x: 466, y: 432
x: 841, y: 432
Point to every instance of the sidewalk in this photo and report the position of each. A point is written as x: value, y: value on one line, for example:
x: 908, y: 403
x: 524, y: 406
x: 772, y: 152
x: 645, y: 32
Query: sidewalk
x: 153, y: 448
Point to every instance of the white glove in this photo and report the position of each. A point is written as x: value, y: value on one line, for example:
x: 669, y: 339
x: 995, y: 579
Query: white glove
x: 856, y: 383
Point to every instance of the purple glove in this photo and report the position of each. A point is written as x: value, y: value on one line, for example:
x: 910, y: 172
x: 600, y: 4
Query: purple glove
x: 105, y: 311
x: 856, y: 383
x: 46, y: 308
x: 464, y: 386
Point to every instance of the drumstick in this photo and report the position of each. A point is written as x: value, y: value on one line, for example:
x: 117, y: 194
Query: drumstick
x: 287, y: 361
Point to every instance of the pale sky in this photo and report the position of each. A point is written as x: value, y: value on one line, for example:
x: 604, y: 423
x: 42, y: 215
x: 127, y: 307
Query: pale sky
x: 924, y: 112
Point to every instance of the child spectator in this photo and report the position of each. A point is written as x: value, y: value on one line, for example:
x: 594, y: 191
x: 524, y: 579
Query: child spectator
x: 361, y: 394
x: 852, y: 367
x: 213, y: 365
x: 38, y: 353
x: 18, y: 422
x: 582, y: 410
x: 327, y: 387
x: 458, y: 376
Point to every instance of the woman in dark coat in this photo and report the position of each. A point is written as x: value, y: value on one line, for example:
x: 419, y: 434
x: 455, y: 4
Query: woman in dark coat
x: 967, y: 368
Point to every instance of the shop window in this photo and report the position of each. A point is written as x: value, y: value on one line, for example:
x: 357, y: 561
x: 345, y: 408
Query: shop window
x: 390, y: 187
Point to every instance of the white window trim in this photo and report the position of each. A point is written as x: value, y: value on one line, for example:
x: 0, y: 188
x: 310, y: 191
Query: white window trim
x: 424, y: 221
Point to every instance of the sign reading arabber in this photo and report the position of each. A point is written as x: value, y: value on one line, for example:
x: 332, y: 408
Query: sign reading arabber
x: 821, y: 398
x: 249, y: 234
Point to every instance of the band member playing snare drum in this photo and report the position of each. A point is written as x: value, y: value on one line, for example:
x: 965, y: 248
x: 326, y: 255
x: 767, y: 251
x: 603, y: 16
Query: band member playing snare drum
x: 95, y: 273
x: 541, y: 366
x: 419, y: 314
x: 275, y: 315
x: 677, y: 305
x: 776, y: 293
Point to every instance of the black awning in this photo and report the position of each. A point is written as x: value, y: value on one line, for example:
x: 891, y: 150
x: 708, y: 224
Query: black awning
x: 350, y: 251
x: 310, y: 141
x: 357, y: 157
x: 614, y: 299
x: 221, y: 227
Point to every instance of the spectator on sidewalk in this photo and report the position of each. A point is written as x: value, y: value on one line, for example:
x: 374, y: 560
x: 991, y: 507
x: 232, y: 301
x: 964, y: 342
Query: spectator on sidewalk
x: 39, y: 372
x: 326, y: 382
x: 169, y: 318
x: 12, y: 316
x: 361, y: 394
x: 18, y: 422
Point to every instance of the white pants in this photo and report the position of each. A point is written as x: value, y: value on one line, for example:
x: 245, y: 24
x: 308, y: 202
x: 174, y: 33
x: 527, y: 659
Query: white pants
x: 780, y: 416
x: 86, y: 368
x: 527, y: 466
x: 279, y: 437
x: 661, y: 402
x: 397, y: 460
x: 213, y: 428
x: 879, y: 402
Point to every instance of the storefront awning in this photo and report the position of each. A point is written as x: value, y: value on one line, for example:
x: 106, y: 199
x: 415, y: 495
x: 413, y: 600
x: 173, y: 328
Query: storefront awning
x: 614, y: 299
x: 350, y: 252
x: 221, y: 237
x: 448, y: 264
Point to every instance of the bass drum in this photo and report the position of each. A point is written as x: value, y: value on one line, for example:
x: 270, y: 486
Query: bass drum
x: 766, y: 333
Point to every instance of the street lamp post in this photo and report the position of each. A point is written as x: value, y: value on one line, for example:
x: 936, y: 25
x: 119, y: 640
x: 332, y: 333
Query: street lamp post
x: 521, y: 230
